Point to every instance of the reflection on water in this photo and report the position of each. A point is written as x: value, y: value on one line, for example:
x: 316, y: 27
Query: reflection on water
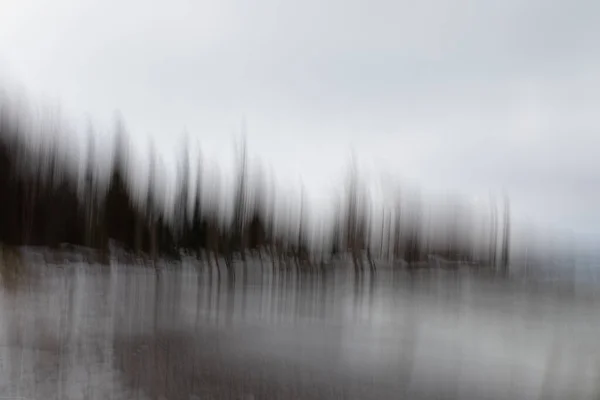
x: 122, y: 332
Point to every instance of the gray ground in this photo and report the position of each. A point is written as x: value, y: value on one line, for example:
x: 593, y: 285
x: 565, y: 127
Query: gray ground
x: 123, y: 332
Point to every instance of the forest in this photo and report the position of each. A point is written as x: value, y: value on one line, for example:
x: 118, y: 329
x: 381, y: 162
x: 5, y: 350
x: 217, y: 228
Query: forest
x: 44, y: 204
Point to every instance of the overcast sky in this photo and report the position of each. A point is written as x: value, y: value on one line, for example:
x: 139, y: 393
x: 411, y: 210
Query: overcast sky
x: 460, y: 96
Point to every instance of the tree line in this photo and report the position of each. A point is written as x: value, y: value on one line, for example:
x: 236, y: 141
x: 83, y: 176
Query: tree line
x: 44, y: 204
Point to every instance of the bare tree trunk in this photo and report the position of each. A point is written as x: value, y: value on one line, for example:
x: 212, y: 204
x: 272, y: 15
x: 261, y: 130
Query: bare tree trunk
x: 28, y: 212
x: 153, y: 241
x: 382, y: 234
x: 505, y: 255
x: 138, y: 234
x: 493, y: 233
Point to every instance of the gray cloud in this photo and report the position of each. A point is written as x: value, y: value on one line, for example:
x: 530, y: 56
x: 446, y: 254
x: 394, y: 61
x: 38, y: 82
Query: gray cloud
x: 468, y: 96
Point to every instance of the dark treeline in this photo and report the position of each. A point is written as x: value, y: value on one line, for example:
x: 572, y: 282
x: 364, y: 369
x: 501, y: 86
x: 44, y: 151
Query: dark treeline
x: 44, y: 203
